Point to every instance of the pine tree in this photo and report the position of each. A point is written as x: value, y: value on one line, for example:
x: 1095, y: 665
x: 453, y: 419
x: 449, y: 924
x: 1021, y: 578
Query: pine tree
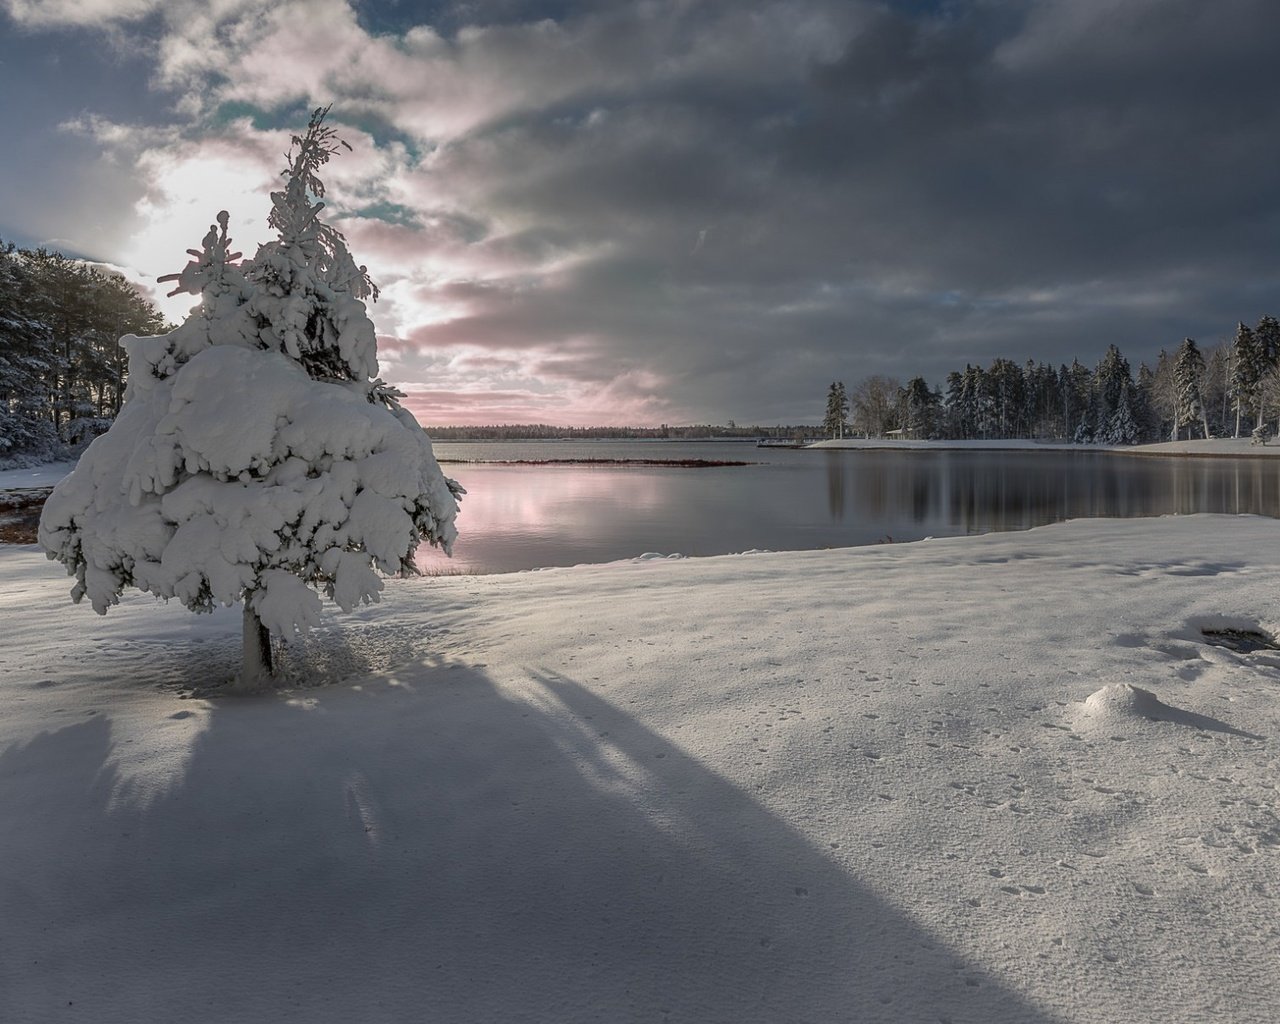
x: 1043, y: 400
x: 1267, y: 336
x: 1111, y: 379
x: 1144, y: 405
x: 1245, y: 375
x: 1188, y: 373
x: 257, y: 458
x: 1076, y: 382
x: 1078, y: 403
x: 1007, y: 390
x: 1267, y: 343
x: 61, y: 303
x: 837, y: 415
x: 957, y: 414
x: 1122, y: 425
x: 921, y: 407
x: 978, y: 404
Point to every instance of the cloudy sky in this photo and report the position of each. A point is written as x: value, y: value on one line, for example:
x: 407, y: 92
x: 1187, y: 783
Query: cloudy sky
x: 680, y: 211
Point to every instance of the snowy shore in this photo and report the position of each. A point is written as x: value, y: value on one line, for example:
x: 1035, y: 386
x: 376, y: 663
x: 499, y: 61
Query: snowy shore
x: 850, y: 785
x: 47, y: 475
x: 1236, y: 447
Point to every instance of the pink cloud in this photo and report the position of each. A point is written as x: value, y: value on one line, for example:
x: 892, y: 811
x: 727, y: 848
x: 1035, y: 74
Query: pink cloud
x: 478, y: 363
x: 588, y: 407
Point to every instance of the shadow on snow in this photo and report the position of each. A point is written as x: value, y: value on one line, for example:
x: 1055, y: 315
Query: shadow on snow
x: 441, y: 851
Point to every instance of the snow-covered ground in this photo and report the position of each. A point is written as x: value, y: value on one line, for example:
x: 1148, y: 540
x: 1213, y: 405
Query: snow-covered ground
x: 1237, y: 446
x: 999, y: 444
x: 39, y: 476
x: 853, y: 785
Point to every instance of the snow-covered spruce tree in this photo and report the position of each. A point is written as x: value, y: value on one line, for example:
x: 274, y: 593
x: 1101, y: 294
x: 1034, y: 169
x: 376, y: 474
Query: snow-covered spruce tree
x: 257, y: 458
x: 1266, y: 337
x: 837, y: 415
x: 1122, y: 425
x: 1246, y: 373
x: 923, y: 407
x: 1188, y: 375
x: 1110, y: 379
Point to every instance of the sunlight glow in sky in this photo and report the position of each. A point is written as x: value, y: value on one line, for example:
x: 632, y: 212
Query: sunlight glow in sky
x: 681, y: 212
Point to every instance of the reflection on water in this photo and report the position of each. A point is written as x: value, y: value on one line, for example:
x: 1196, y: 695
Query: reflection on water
x: 522, y: 517
x: 974, y: 492
x: 525, y: 517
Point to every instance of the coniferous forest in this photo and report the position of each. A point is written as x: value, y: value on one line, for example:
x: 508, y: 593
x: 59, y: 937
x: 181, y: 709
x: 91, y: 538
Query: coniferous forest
x: 62, y: 371
x: 1233, y: 390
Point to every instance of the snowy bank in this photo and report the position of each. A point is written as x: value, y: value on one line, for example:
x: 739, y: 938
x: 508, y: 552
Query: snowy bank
x: 898, y: 783
x: 994, y: 445
x: 1239, y: 447
x: 37, y: 476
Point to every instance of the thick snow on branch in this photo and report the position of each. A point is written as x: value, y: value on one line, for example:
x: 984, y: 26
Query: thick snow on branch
x: 242, y: 474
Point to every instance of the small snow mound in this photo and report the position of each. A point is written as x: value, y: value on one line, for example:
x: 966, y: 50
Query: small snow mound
x: 653, y: 556
x: 1121, y: 700
x: 1121, y: 705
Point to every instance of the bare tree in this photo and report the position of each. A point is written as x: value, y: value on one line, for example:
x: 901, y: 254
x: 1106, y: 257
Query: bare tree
x: 875, y: 405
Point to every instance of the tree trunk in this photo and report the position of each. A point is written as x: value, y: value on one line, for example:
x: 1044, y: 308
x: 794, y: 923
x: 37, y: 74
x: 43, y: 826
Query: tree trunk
x: 256, y: 668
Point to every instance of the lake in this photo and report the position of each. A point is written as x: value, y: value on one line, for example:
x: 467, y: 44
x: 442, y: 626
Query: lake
x: 527, y: 515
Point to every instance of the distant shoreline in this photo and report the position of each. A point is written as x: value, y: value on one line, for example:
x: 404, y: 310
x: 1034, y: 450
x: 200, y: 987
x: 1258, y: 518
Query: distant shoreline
x: 48, y: 474
x: 677, y: 463
x: 1212, y: 448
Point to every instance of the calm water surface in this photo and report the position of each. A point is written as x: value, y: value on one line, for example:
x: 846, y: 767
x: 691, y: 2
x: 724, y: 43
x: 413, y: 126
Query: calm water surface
x: 529, y: 516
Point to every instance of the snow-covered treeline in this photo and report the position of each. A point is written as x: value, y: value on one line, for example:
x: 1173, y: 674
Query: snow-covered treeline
x: 62, y: 371
x: 1230, y: 391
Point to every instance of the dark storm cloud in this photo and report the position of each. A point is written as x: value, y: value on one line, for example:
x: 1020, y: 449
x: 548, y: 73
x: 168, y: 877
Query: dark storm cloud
x: 997, y: 155
x: 945, y: 189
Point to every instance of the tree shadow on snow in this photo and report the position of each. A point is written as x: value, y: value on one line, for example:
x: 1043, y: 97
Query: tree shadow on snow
x: 439, y: 848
